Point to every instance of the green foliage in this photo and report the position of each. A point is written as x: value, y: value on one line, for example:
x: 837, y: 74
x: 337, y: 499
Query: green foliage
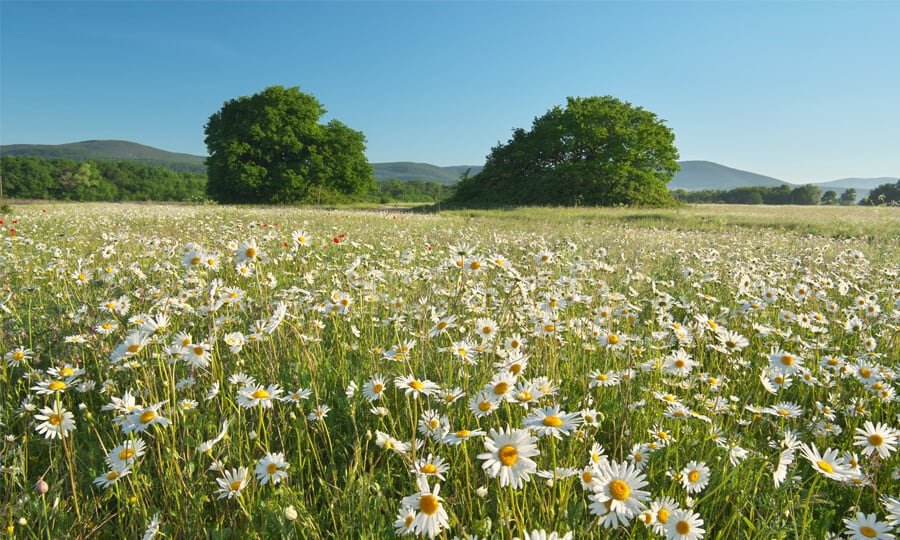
x: 830, y: 197
x: 597, y: 151
x: 270, y: 148
x: 848, y: 197
x: 885, y: 194
x: 62, y: 179
x: 411, y: 191
x: 783, y: 194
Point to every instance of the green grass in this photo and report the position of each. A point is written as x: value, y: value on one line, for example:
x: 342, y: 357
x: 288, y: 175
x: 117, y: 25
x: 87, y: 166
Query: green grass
x: 658, y: 273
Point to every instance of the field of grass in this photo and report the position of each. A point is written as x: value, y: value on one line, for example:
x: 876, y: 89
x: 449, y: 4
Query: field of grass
x: 703, y: 372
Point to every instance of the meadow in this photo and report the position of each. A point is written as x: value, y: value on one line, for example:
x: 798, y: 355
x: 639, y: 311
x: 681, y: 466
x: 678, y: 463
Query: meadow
x: 236, y: 372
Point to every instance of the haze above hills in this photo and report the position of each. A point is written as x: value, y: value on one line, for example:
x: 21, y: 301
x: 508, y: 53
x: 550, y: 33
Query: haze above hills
x: 694, y: 175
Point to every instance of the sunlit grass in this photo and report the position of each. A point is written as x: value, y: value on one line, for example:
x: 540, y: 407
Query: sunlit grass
x: 260, y: 331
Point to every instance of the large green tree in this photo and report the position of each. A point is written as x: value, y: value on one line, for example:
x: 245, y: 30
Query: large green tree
x: 271, y: 148
x: 595, y: 151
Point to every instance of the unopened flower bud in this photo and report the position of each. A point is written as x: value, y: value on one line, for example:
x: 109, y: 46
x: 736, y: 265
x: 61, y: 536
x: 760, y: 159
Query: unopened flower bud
x: 41, y: 487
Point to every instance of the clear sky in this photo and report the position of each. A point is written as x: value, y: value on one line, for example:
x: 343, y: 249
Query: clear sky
x: 802, y: 91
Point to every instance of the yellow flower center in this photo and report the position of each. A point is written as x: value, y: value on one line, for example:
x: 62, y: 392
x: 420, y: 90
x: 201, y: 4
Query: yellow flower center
x: 787, y: 360
x: 112, y: 475
x: 126, y: 454
x: 18, y: 355
x: 195, y: 261
x: 463, y: 433
x: 260, y: 394
x: 683, y: 527
x: 236, y: 485
x: 612, y: 339
x: 484, y: 406
x: 549, y: 328
x: 409, y: 519
x: 602, y: 377
x: 133, y: 348
x: 56, y: 385
x: 524, y: 395
x: 250, y: 253
x: 428, y: 504
x: 416, y: 385
x: 301, y: 239
x: 429, y: 468
x: 474, y: 265
x: 82, y: 277
x: 271, y: 468
x: 55, y: 419
x: 679, y: 363
x: 619, y: 490
x: 147, y: 416
x: 515, y: 369
x: 712, y: 324
x: 875, y: 439
x: 501, y: 388
x: 508, y: 455
x: 587, y: 476
x: 865, y: 373
x: 377, y: 388
x: 552, y: 421
x: 693, y: 476
x: 663, y: 515
x: 825, y: 466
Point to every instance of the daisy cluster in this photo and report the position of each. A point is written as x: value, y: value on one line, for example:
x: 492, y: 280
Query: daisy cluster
x: 443, y: 377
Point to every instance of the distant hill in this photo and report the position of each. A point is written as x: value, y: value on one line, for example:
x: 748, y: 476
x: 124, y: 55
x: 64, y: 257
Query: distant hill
x: 856, y: 183
x: 694, y: 175
x: 697, y: 175
x: 110, y: 150
x: 406, y: 171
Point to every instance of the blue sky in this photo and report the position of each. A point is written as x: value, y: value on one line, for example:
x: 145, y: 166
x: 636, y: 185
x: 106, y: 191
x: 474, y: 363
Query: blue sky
x: 802, y: 91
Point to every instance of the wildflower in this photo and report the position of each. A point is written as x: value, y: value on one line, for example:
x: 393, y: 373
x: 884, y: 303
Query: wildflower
x: 509, y: 453
x: 461, y: 435
x: 56, y: 421
x: 684, y: 524
x: 865, y: 526
x: 142, y: 418
x: 110, y: 477
x: 879, y: 438
x: 828, y: 464
x: 411, y: 385
x: 232, y: 482
x: 619, y: 491
x: 404, y: 522
x: 319, y: 413
x: 552, y: 421
x: 483, y: 403
x: 374, y: 389
x: 296, y: 395
x: 253, y: 395
x: 125, y: 455
x: 542, y: 535
x: 694, y: 477
x: 661, y: 508
x: 271, y: 468
x: 17, y: 356
x: 431, y: 466
x: 892, y: 505
x: 430, y: 517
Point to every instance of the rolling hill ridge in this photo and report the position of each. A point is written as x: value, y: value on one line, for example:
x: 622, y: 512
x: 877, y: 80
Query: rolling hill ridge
x: 694, y: 175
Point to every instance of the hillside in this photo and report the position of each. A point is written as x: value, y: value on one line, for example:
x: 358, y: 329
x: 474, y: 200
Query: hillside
x: 697, y: 175
x: 693, y: 176
x: 110, y: 150
x: 405, y: 170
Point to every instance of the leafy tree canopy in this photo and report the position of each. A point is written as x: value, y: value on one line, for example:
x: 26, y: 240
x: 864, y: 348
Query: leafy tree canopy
x: 885, y: 194
x: 271, y: 148
x: 595, y: 151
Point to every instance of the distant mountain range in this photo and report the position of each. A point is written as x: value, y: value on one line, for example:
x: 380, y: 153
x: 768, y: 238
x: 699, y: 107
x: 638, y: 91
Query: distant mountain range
x: 694, y: 175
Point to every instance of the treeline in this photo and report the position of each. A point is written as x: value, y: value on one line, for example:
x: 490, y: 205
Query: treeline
x: 783, y: 194
x: 411, y: 191
x: 33, y: 177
